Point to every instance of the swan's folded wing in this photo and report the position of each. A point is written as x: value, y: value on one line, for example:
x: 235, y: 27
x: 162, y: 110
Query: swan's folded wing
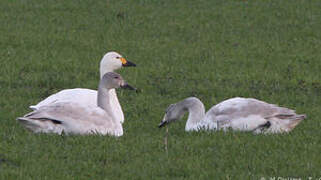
x: 244, y: 113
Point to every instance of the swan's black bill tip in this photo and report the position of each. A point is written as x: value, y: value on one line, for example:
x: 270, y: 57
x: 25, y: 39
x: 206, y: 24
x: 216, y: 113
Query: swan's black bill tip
x: 129, y: 64
x: 162, y: 124
x: 129, y: 87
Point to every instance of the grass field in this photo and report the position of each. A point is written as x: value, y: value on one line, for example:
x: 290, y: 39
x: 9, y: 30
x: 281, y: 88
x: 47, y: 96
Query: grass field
x: 211, y: 49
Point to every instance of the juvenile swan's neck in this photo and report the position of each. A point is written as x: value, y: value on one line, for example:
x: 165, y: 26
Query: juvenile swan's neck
x: 103, y: 100
x: 196, y: 114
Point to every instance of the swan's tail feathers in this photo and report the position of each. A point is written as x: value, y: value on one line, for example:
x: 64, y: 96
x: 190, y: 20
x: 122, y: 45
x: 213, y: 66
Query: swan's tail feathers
x: 291, y: 116
x: 284, y: 122
x: 296, y: 120
x: 293, y: 119
x: 301, y: 116
x: 41, y: 125
x: 33, y: 107
x: 30, y: 124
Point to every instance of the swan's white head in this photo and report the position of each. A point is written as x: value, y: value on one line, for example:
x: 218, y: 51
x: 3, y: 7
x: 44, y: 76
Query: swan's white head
x: 113, y: 80
x: 113, y: 61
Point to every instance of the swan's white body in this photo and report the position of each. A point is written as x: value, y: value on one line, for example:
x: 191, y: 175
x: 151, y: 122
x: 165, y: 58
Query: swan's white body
x: 242, y: 114
x: 82, y: 96
x: 109, y: 63
x: 71, y: 117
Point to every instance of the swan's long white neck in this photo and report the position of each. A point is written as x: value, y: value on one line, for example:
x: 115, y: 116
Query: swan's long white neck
x: 196, y: 114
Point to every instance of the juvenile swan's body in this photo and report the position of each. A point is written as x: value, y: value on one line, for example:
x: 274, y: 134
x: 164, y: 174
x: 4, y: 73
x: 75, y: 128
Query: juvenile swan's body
x: 243, y: 114
x: 110, y: 62
x: 78, y: 118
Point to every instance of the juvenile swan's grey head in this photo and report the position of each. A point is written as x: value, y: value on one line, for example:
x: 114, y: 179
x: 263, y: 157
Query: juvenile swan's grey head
x: 113, y: 80
x: 174, y: 112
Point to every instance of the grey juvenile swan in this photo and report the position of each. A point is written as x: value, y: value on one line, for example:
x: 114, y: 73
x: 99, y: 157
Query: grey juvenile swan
x: 79, y: 118
x: 242, y: 114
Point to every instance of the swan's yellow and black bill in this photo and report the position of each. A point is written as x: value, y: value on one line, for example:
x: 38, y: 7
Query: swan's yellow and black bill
x: 127, y: 86
x: 162, y: 124
x: 126, y: 63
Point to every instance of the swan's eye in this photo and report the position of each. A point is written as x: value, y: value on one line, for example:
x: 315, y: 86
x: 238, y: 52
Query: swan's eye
x: 117, y: 57
x: 116, y: 77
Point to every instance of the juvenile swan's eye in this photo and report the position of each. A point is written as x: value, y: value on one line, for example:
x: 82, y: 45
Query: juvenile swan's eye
x: 116, y: 77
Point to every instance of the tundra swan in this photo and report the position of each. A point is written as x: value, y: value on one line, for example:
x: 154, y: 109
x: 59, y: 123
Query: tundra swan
x: 242, y: 114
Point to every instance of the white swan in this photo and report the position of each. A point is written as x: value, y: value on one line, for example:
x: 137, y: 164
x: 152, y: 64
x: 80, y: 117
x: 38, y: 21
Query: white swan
x: 78, y: 118
x: 110, y: 62
x: 243, y: 114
